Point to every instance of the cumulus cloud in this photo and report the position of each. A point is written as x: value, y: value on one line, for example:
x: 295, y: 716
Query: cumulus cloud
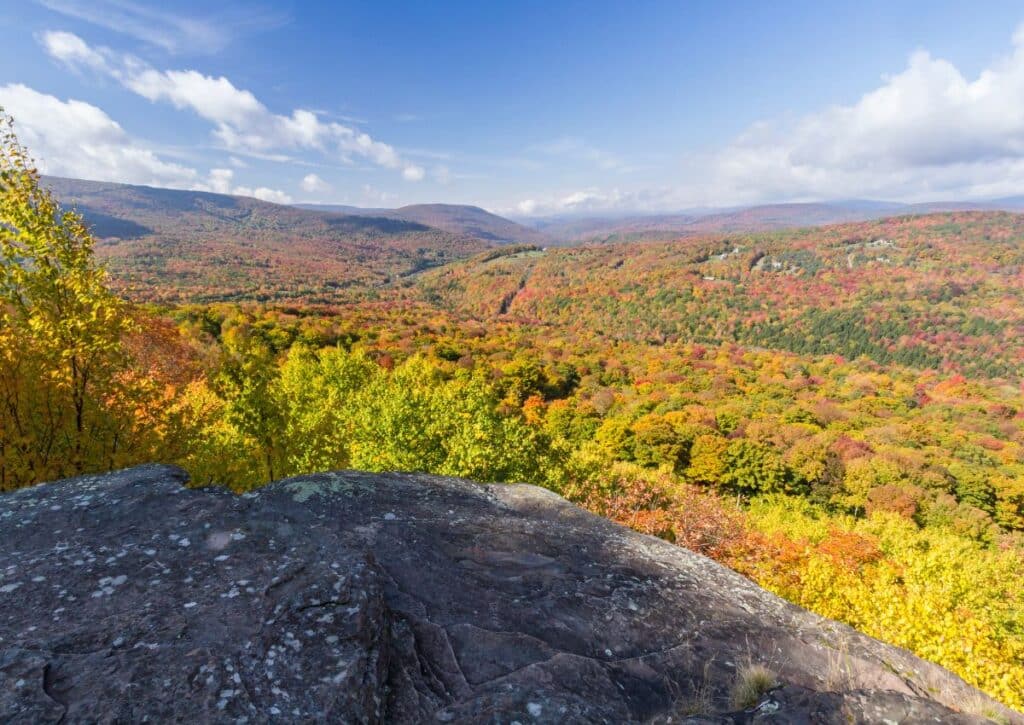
x: 264, y: 194
x: 926, y: 132
x: 241, y: 122
x: 74, y: 138
x: 214, y: 99
x: 72, y: 50
x: 221, y: 181
x: 592, y: 200
x: 312, y: 183
x: 527, y: 207
x: 77, y: 139
x: 413, y: 173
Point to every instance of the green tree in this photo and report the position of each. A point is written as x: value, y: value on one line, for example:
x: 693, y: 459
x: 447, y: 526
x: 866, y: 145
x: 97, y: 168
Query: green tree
x: 973, y: 486
x: 659, y: 443
x: 753, y: 468
x: 318, y: 391
x: 413, y: 419
x: 615, y: 439
x: 247, y: 382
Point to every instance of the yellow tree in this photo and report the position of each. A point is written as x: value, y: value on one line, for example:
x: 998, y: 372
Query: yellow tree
x: 66, y: 392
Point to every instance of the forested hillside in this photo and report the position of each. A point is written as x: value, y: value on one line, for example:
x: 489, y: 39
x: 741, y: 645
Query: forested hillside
x: 836, y: 413
x: 941, y: 291
x: 455, y: 218
x: 168, y: 245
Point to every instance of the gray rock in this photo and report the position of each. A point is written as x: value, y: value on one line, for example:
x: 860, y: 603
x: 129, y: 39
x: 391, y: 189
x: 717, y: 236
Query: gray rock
x: 357, y: 597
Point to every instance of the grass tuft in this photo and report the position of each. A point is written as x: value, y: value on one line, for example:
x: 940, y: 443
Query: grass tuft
x: 752, y: 681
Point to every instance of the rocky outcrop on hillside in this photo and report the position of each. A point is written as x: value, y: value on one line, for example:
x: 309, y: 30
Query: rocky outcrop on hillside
x: 357, y: 597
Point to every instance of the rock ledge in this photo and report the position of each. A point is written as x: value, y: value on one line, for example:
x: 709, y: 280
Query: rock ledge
x: 357, y: 597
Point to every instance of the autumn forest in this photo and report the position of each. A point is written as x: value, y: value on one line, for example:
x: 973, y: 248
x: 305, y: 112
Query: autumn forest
x: 837, y: 412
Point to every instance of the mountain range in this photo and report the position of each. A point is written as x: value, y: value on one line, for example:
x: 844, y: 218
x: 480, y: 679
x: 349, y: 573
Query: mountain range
x: 173, y: 245
x: 768, y: 217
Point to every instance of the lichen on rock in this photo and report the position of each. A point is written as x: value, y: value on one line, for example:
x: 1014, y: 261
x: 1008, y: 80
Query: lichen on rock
x: 357, y: 597
x: 324, y: 484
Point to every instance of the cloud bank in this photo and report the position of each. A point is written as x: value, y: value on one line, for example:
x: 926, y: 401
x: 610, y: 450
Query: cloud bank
x: 74, y: 138
x: 925, y: 133
x: 77, y: 139
x: 241, y: 123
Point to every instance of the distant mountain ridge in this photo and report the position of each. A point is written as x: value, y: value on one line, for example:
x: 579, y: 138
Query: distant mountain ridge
x: 760, y: 218
x: 120, y: 210
x: 191, y: 246
x: 174, y: 245
x: 454, y: 218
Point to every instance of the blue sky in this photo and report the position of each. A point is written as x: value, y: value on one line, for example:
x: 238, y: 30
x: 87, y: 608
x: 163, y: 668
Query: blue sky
x: 525, y: 108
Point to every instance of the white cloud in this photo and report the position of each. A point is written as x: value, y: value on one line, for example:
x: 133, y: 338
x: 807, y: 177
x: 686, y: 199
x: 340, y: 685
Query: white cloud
x: 214, y: 99
x: 74, y: 138
x: 581, y: 201
x: 312, y: 183
x: 221, y: 181
x: 413, y: 173
x: 355, y: 142
x: 72, y: 50
x: 264, y: 194
x: 241, y: 123
x: 173, y: 31
x: 926, y: 132
x: 527, y: 207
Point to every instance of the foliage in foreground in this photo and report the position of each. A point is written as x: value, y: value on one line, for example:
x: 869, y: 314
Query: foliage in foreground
x: 878, y: 550
x: 70, y: 397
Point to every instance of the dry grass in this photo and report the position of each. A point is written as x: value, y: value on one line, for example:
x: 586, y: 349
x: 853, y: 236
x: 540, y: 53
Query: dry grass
x: 839, y: 674
x: 752, y: 681
x: 982, y: 707
x: 699, y: 701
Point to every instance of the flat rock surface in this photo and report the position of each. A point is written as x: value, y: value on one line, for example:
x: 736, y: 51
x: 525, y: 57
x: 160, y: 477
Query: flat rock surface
x: 358, y: 597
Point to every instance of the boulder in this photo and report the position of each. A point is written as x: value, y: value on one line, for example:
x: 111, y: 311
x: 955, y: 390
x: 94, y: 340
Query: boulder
x: 368, y: 597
